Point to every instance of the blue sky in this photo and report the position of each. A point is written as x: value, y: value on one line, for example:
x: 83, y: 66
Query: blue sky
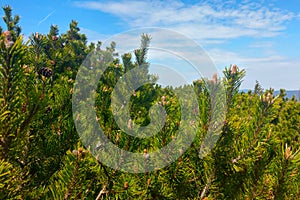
x: 262, y: 37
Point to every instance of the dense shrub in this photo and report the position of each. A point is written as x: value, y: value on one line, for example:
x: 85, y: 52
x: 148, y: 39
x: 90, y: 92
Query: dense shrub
x: 41, y: 156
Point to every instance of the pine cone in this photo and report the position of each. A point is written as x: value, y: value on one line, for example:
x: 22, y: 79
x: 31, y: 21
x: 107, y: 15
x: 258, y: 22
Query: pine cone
x: 45, y: 71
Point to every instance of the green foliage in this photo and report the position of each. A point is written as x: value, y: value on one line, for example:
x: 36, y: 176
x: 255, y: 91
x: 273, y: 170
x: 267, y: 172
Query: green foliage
x: 11, y: 22
x: 41, y: 157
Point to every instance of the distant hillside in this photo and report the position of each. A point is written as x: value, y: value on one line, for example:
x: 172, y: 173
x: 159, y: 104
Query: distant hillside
x: 289, y: 93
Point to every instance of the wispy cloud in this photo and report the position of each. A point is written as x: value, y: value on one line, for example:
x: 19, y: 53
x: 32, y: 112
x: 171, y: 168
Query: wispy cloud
x: 273, y: 71
x: 92, y: 35
x: 214, y: 24
x: 262, y: 44
x: 207, y: 20
x: 45, y: 18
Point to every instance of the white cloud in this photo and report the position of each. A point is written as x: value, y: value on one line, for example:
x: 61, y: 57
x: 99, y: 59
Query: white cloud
x: 273, y: 71
x: 206, y: 20
x: 282, y: 74
x: 92, y: 35
x: 178, y: 53
x: 264, y: 44
x: 213, y: 24
x: 117, y: 8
